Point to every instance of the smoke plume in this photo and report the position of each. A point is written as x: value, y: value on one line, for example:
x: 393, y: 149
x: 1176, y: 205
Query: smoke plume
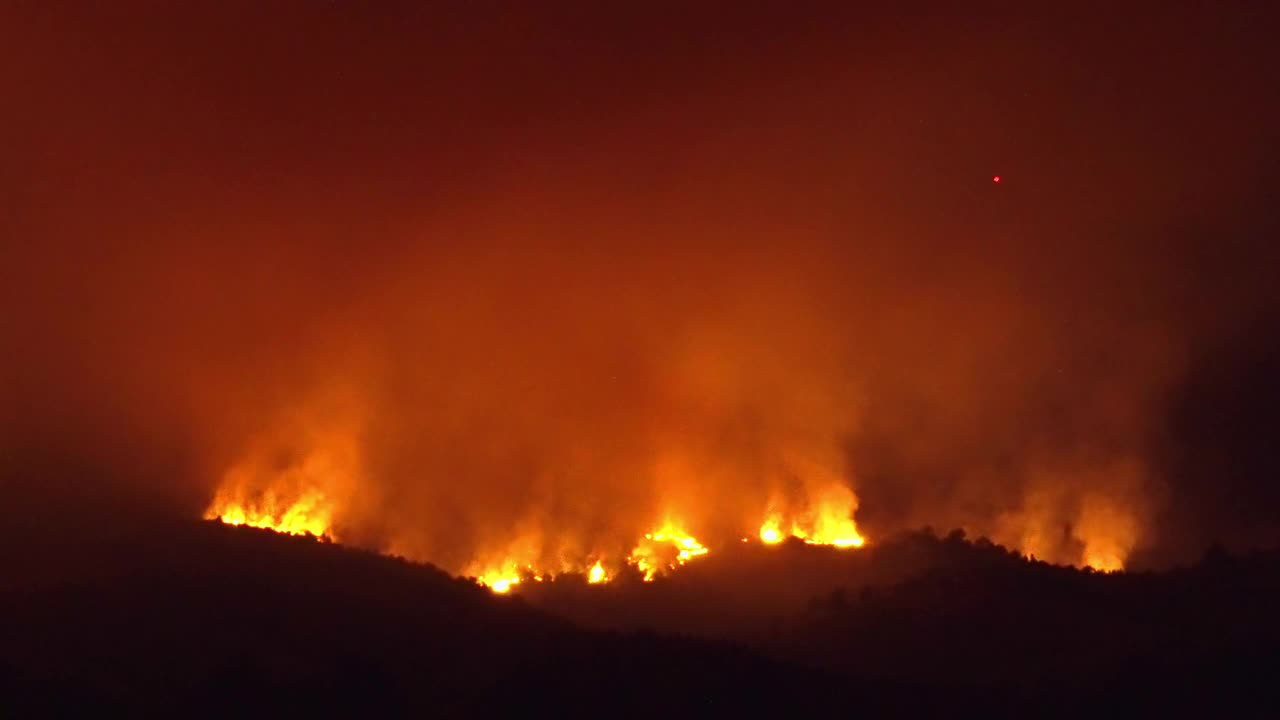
x: 486, y: 284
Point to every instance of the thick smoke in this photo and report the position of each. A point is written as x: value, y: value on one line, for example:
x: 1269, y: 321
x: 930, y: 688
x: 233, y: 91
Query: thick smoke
x: 547, y: 280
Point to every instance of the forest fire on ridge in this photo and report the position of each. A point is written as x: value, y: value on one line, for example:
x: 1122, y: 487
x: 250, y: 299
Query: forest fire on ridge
x: 659, y: 552
x: 316, y: 485
x: 829, y: 521
x: 317, y: 469
x: 312, y: 494
x: 308, y: 515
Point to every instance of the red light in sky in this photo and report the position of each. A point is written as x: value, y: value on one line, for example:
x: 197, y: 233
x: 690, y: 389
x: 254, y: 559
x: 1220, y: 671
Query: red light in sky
x: 995, y: 178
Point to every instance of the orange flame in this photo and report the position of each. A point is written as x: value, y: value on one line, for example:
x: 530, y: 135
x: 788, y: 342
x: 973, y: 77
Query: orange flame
x: 597, y: 574
x: 299, y: 497
x: 828, y: 520
x: 310, y: 514
x: 653, y: 555
x: 315, y: 491
x: 1101, y: 529
x: 500, y: 583
x: 771, y: 530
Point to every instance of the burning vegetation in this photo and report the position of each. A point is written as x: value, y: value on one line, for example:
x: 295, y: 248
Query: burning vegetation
x: 308, y: 515
x: 664, y: 550
x: 308, y: 494
x: 828, y: 521
x: 308, y: 475
x: 304, y: 497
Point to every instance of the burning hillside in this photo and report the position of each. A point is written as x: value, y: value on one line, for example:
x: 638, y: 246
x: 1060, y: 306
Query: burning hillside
x: 311, y: 494
x: 658, y: 552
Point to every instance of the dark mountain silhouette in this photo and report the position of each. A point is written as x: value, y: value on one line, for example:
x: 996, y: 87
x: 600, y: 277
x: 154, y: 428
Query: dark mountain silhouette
x: 203, y: 619
x: 974, y: 619
x: 209, y: 620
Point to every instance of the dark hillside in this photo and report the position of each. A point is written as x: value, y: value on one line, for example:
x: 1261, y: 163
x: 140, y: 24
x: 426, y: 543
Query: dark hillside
x: 212, y: 620
x: 203, y: 619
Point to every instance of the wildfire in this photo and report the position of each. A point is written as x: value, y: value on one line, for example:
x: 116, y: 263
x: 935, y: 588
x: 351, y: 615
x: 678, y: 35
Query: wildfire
x: 1109, y: 533
x: 1100, y: 532
x: 841, y: 534
x: 305, y: 474
x: 827, y: 521
x: 310, y: 514
x: 502, y: 580
x: 771, y: 530
x: 1103, y: 562
x: 313, y: 490
x: 597, y: 574
x: 660, y: 551
x: 663, y: 550
x: 499, y: 582
x: 293, y: 502
x: 274, y: 486
x: 654, y: 554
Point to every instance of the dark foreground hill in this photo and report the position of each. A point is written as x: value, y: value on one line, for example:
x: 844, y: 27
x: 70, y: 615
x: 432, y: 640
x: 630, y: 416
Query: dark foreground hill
x: 976, y: 620
x: 208, y: 620
x: 201, y: 619
x: 1204, y: 635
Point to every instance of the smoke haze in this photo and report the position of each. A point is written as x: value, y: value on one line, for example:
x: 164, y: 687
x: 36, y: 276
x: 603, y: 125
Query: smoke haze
x: 499, y: 277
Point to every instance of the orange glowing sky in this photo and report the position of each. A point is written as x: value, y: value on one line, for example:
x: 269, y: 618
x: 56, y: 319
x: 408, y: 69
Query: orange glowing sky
x: 487, y: 286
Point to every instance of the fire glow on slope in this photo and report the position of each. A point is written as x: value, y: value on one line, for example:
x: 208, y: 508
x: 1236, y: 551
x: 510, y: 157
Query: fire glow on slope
x: 534, y: 554
x: 665, y: 549
x: 659, y: 552
x: 1099, y: 531
x: 828, y: 520
x: 292, y: 501
x: 292, y: 506
x: 315, y: 491
x: 309, y: 514
x: 297, y: 490
x: 596, y: 574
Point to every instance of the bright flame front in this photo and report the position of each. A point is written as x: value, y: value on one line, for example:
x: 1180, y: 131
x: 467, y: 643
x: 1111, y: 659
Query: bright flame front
x: 597, y: 574
x: 826, y: 520
x: 309, y: 514
x: 665, y: 549
x: 771, y: 530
